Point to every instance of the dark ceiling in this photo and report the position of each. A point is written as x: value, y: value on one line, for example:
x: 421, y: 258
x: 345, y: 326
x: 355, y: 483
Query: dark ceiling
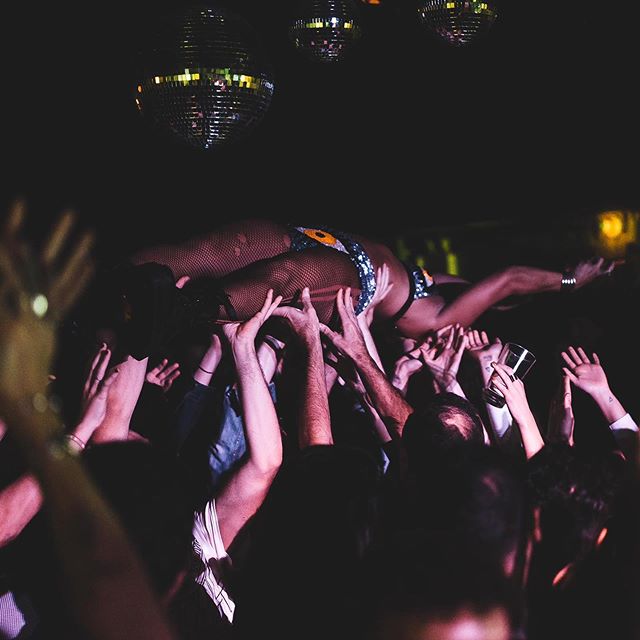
x: 537, y: 120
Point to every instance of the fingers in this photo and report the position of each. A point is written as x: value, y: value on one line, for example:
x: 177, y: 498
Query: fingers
x: 450, y: 337
x: 66, y: 285
x: 328, y: 333
x: 57, y: 238
x: 440, y: 332
x: 158, y: 368
x: 181, y: 281
x: 306, y: 299
x: 269, y: 306
x: 14, y: 221
x: 566, y: 392
x: 583, y: 356
x: 67, y: 298
x: 169, y: 380
x: 97, y: 371
x: 596, y: 359
x: 103, y: 363
x: 570, y: 375
x: 108, y: 381
x: 504, y: 374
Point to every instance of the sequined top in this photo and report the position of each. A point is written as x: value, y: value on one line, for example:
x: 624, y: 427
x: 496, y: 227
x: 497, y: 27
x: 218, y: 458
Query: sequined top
x: 306, y: 237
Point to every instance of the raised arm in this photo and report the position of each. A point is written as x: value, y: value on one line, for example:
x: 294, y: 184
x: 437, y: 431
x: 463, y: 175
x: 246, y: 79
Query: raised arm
x: 247, y: 487
x: 589, y: 376
x: 314, y: 425
x: 108, y: 591
x: 514, y: 393
x: 387, y: 400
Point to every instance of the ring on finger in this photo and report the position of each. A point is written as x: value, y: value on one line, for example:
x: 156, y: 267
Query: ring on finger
x: 512, y: 377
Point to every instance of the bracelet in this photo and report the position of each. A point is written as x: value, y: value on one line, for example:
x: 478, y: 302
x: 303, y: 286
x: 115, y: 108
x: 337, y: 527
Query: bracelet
x: 201, y: 369
x: 65, y: 445
x: 568, y: 281
x: 73, y: 438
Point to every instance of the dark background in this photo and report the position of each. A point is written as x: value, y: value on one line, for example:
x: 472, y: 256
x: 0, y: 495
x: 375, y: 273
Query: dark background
x: 516, y: 142
x: 535, y: 122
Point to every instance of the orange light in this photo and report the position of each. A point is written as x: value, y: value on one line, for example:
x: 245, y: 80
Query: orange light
x: 611, y: 224
x: 561, y: 574
x: 602, y: 536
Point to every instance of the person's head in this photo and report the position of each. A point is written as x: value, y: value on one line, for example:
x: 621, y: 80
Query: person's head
x: 446, y: 421
x: 471, y: 497
x: 574, y: 491
x: 426, y: 592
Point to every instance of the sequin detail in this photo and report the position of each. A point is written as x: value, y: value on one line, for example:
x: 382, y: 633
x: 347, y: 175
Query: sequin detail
x: 424, y: 285
x: 306, y: 237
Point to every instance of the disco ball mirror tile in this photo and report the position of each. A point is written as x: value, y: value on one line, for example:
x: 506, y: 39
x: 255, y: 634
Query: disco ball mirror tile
x: 204, y: 77
x: 324, y: 30
x: 458, y: 21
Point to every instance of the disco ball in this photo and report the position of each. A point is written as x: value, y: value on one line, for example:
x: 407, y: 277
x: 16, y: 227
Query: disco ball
x: 204, y: 77
x: 324, y: 29
x: 458, y: 21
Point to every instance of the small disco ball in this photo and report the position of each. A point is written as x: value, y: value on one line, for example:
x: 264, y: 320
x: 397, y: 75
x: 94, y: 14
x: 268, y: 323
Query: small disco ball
x: 458, y: 21
x: 203, y: 77
x: 325, y: 29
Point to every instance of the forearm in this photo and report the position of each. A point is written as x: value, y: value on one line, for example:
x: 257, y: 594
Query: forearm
x: 378, y: 423
x: 208, y: 365
x: 122, y: 400
x: 391, y: 406
x: 262, y: 429
x: 315, y: 421
x: 19, y: 503
x: 609, y: 405
x: 531, y: 438
x: 369, y: 341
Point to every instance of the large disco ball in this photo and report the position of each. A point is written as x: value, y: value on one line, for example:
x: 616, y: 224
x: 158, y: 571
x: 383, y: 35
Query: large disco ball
x: 324, y: 29
x: 204, y: 77
x: 458, y: 21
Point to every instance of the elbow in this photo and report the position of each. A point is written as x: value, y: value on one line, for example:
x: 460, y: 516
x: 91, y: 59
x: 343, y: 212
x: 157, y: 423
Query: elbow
x: 268, y: 466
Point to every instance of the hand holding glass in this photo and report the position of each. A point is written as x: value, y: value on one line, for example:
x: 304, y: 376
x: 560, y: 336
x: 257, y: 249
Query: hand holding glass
x: 519, y: 360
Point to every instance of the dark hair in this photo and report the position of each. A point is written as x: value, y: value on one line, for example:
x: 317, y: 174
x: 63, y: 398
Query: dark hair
x: 447, y: 420
x: 576, y: 490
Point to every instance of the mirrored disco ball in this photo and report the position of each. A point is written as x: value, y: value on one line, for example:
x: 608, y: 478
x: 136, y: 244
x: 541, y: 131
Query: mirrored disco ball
x: 458, y: 21
x: 204, y: 77
x: 324, y: 29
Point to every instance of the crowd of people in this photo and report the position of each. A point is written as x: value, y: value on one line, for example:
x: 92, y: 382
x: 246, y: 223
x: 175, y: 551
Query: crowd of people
x: 306, y: 453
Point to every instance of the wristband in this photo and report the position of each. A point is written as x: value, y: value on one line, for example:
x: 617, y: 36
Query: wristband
x: 568, y: 281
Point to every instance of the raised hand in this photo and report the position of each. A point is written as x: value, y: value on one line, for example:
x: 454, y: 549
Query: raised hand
x: 349, y: 341
x: 241, y: 334
x: 303, y: 322
x: 444, y: 356
x: 588, y: 270
x: 561, y: 418
x: 383, y: 287
x: 585, y: 374
x: 95, y: 393
x: 405, y: 366
x: 35, y: 294
x: 482, y: 350
x: 163, y: 375
x: 514, y: 393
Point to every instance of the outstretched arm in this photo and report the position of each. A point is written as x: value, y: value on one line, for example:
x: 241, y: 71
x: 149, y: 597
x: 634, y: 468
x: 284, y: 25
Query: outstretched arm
x: 249, y: 483
x: 515, y: 280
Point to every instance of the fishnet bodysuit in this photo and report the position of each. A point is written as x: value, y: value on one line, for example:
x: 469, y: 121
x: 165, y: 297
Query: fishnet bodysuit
x: 252, y: 256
